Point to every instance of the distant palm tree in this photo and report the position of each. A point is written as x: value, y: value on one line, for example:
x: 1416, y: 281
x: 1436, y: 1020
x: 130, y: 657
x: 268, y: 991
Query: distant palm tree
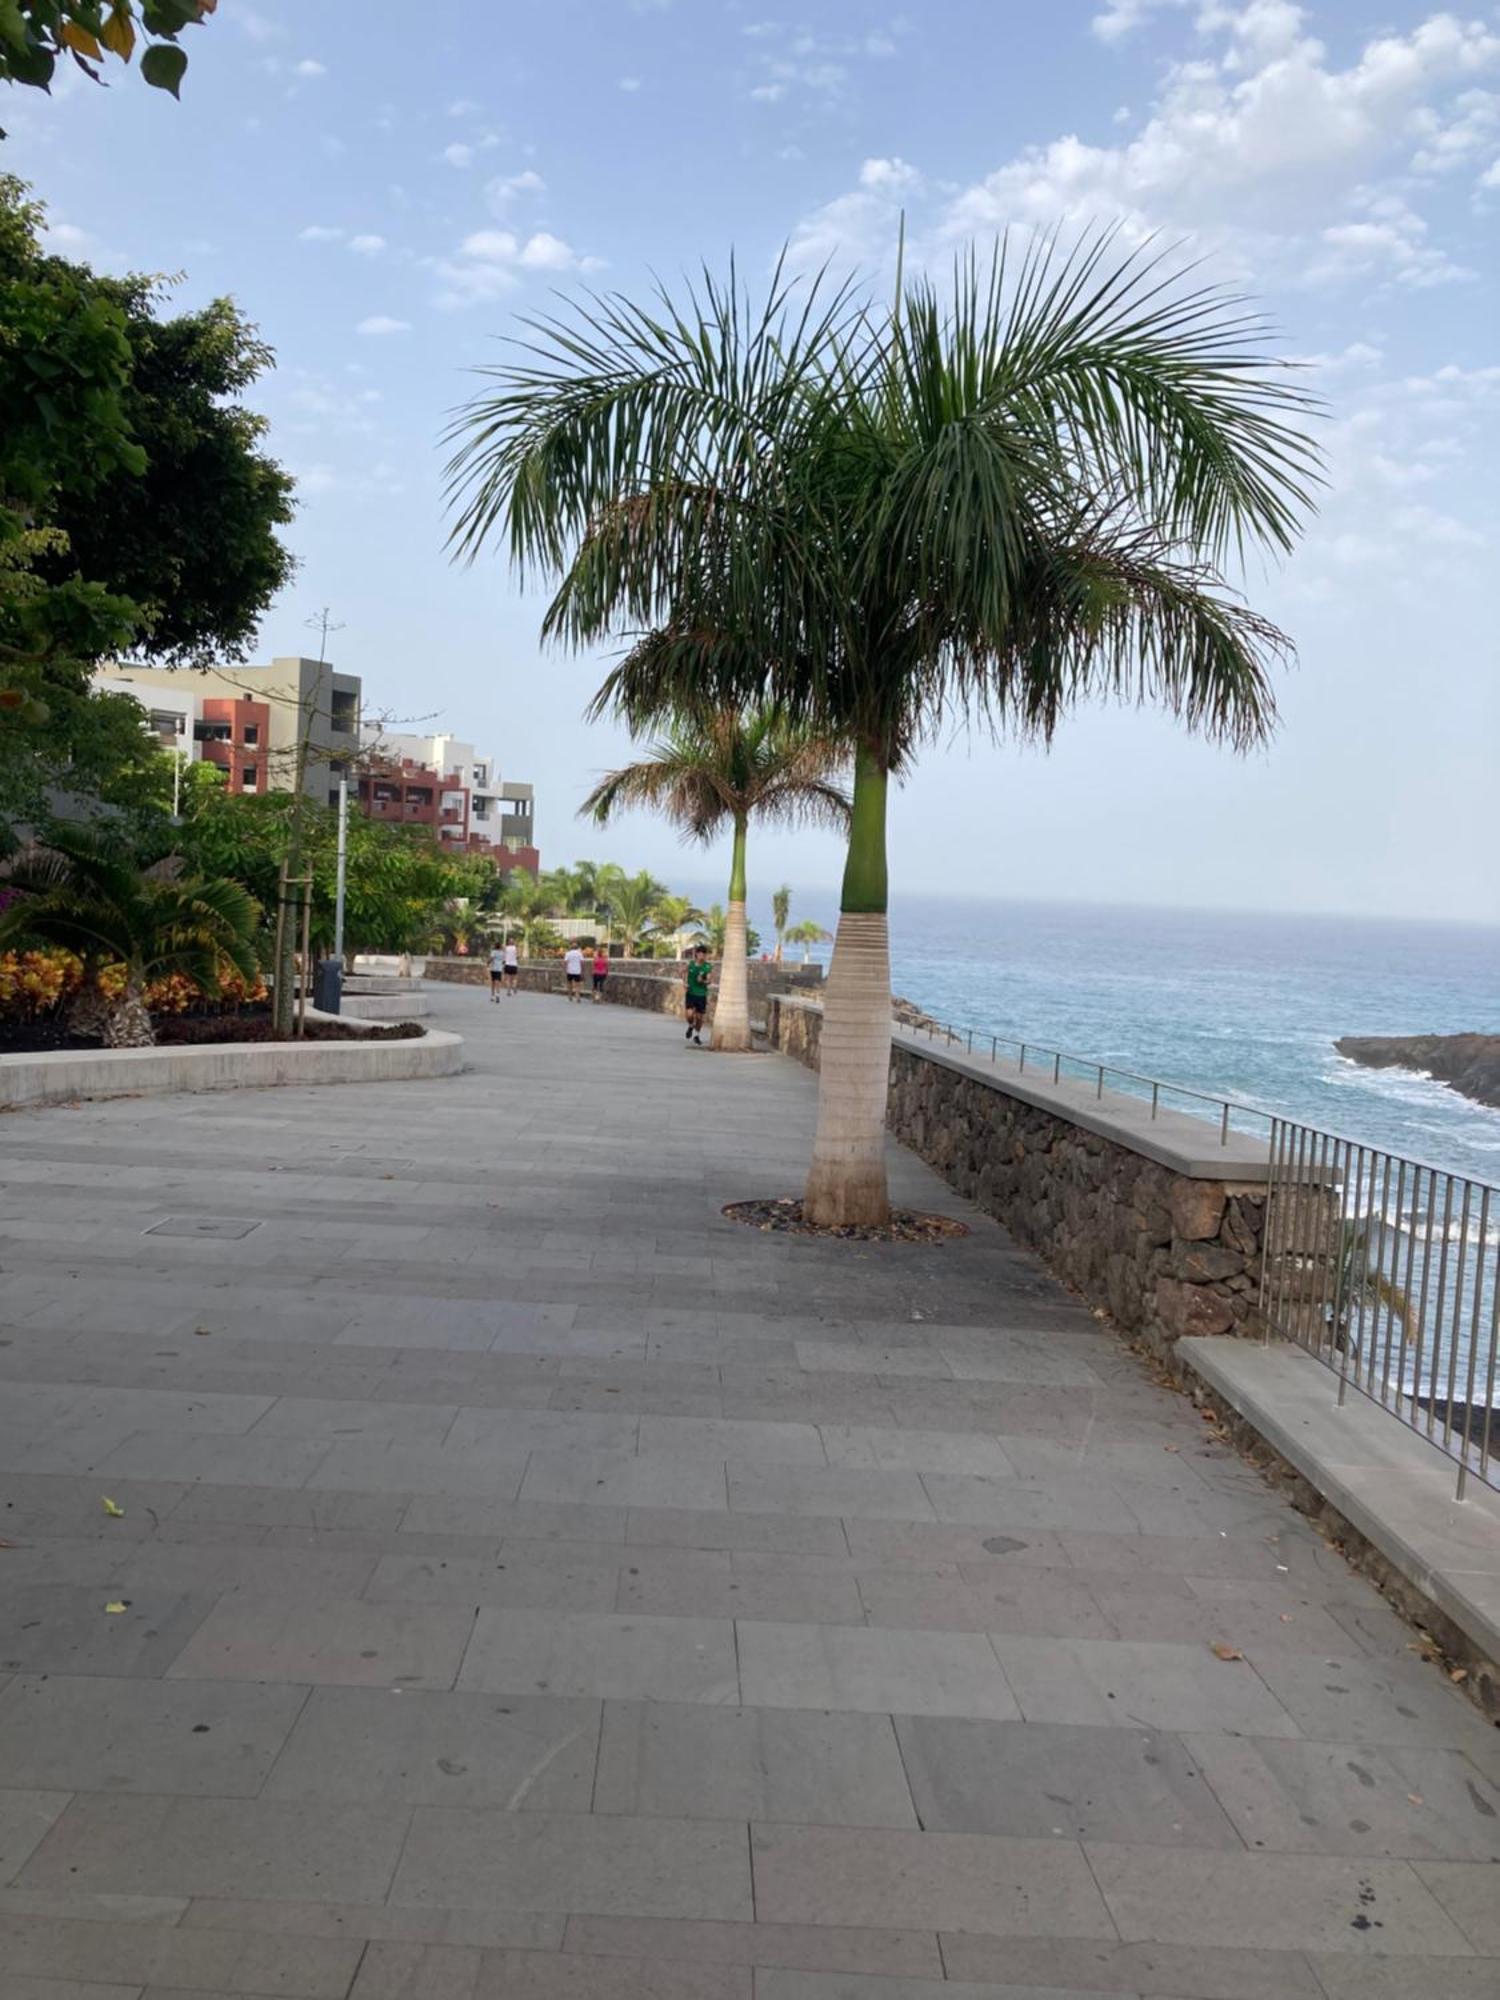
x: 631, y: 905
x: 807, y: 934
x: 781, y: 909
x: 672, y: 915
x: 80, y: 891
x: 718, y: 768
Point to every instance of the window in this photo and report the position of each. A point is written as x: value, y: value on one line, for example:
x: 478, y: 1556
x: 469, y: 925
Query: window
x: 250, y: 779
x: 167, y: 722
x: 251, y: 733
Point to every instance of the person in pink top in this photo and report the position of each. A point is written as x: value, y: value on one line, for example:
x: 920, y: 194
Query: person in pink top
x: 601, y: 972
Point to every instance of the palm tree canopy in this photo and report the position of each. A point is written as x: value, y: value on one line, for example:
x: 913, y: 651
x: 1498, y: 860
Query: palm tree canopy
x: 83, y: 891
x: 713, y: 766
x: 994, y: 501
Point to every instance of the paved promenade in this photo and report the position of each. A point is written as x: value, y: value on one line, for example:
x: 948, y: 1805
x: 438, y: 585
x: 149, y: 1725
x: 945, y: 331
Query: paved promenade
x: 444, y: 1560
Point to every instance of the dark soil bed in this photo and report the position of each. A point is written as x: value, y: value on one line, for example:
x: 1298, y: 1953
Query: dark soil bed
x: 186, y: 1030
x: 905, y: 1225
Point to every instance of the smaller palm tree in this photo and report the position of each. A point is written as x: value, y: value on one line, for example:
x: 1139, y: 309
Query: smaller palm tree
x: 632, y: 904
x: 715, y: 768
x: 83, y: 892
x: 807, y: 934
x: 781, y: 909
x: 671, y: 917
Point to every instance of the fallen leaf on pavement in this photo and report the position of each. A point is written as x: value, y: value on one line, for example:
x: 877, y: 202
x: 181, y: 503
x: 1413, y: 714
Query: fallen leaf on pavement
x: 112, y: 1508
x: 1222, y: 1652
x: 114, y: 1609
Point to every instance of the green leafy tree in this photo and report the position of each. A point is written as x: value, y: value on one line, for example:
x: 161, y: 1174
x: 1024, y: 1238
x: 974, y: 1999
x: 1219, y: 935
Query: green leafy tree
x: 86, y: 893
x: 35, y: 35
x: 990, y: 503
x: 716, y: 769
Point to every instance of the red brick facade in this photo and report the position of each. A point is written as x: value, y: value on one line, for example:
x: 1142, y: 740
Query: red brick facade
x: 236, y: 735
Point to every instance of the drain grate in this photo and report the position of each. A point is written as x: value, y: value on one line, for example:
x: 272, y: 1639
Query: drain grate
x: 226, y: 1226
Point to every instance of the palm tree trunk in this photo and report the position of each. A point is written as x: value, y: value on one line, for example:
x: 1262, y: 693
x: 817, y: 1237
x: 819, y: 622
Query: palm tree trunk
x: 128, y: 1025
x: 732, y: 1012
x: 846, y: 1184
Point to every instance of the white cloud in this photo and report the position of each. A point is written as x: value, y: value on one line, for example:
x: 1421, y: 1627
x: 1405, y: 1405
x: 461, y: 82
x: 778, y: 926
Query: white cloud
x: 1259, y: 146
x: 67, y: 239
x: 490, y: 262
x: 1122, y: 17
x: 500, y: 193
x: 458, y: 155
x: 462, y: 107
x: 1491, y: 177
x: 893, y: 176
x: 367, y: 246
x: 319, y: 232
x: 257, y: 26
x: 768, y: 93
x: 309, y: 66
x: 379, y: 324
x: 629, y: 83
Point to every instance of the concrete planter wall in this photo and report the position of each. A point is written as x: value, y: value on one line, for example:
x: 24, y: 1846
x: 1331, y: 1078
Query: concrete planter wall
x: 67, y: 1074
x: 1148, y: 1218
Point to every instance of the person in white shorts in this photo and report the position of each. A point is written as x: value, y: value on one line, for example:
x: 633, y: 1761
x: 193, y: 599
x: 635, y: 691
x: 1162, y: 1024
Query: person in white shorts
x: 497, y: 969
x: 512, y: 970
x: 573, y: 967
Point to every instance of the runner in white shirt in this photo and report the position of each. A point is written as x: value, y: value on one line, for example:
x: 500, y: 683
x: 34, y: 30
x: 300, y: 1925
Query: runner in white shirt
x: 497, y: 968
x: 573, y: 967
x: 512, y: 970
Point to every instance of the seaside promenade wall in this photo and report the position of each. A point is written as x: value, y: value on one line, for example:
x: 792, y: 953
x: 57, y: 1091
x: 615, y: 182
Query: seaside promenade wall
x: 1151, y: 1219
x: 652, y: 984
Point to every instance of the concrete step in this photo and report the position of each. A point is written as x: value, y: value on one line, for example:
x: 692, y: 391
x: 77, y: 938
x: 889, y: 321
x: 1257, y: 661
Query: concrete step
x: 385, y: 1006
x: 379, y: 982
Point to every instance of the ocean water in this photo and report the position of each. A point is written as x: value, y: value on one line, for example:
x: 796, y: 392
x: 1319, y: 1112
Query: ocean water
x: 1247, y: 1006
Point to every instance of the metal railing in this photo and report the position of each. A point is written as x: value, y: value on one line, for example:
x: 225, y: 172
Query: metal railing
x: 1384, y: 1268
x: 1050, y: 1064
x: 1388, y: 1270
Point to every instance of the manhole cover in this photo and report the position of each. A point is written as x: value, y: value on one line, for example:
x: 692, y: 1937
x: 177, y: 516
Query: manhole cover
x: 201, y: 1225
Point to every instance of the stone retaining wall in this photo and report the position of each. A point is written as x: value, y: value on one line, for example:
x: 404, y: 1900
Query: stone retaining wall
x: 544, y: 975
x: 1166, y: 1251
x: 654, y: 993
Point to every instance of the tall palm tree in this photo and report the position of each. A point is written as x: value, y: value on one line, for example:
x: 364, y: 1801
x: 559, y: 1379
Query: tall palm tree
x: 717, y: 768
x: 781, y: 910
x: 991, y: 504
x: 82, y: 892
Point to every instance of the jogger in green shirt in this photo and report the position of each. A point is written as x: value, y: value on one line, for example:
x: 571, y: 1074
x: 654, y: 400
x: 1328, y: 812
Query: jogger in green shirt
x: 695, y: 998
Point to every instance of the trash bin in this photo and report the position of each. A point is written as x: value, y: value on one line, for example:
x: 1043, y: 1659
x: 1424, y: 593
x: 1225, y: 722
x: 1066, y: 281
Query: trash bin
x: 328, y: 985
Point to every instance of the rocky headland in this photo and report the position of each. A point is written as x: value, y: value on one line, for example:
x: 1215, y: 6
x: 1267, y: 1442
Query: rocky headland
x: 1469, y: 1064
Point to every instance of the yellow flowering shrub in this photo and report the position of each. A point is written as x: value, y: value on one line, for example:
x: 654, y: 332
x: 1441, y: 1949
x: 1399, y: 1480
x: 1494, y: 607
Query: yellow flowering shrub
x: 35, y: 984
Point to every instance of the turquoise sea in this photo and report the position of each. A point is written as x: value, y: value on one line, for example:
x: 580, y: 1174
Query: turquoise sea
x: 1245, y: 1005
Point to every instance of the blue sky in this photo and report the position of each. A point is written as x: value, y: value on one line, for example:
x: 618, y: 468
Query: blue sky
x: 386, y: 187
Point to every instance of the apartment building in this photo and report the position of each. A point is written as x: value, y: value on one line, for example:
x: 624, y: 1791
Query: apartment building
x: 474, y: 806
x: 250, y: 720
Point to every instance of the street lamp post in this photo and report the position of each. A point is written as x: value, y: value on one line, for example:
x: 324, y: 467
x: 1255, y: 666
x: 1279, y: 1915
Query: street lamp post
x: 338, y: 894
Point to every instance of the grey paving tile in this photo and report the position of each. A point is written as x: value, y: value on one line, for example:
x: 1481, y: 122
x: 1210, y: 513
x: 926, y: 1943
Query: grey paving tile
x: 399, y: 1971
x: 512, y: 1430
x: 1197, y: 1972
x: 1349, y: 1698
x: 25, y: 1819
x: 566, y: 1862
x: 925, y: 1545
x: 562, y: 1583
x: 880, y: 1672
x: 1120, y: 1683
x: 880, y: 1496
x: 252, y: 1848
x: 813, y: 1947
x: 575, y: 1976
x: 1061, y: 1782
x: 163, y: 1957
x: 257, y: 1507
x: 956, y: 1881
x: 1342, y: 1798
x: 408, y: 1923
x: 1295, y: 1902
x: 686, y: 1528
x: 707, y: 1437
x: 873, y: 1448
x: 431, y: 1514
x: 766, y: 1593
x: 348, y: 1643
x: 1243, y: 1614
x: 22, y: 1987
x: 779, y: 1985
x: 612, y: 1479
x: 65, y: 1629
x: 672, y: 1761
x: 379, y: 1465
x: 1467, y: 1893
x: 1038, y: 1601
x: 416, y: 1748
x: 616, y: 1657
x: 344, y: 1417
x: 214, y: 1461
x: 111, y: 1735
x: 1362, y: 1978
